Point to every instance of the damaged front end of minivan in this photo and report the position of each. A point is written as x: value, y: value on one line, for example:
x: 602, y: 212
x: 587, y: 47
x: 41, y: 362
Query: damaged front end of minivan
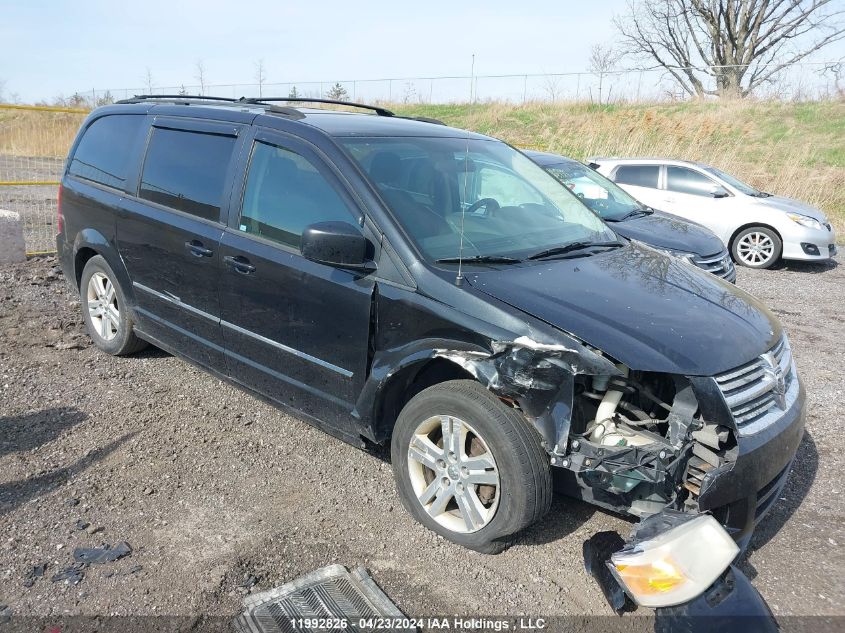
x: 631, y: 441
x: 641, y: 443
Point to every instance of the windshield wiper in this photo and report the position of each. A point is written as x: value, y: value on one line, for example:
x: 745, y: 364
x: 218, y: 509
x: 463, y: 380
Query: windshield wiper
x: 479, y: 259
x: 635, y: 212
x: 571, y: 249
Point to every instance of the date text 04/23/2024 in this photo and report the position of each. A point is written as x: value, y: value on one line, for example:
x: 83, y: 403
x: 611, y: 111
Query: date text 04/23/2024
x: 476, y: 625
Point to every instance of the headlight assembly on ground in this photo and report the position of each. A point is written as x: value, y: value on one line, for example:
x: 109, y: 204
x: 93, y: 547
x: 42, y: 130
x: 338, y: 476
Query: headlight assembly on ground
x: 675, y: 566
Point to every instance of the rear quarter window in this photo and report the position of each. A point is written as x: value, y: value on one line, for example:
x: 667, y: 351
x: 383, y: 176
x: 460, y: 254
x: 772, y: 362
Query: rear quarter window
x: 187, y: 170
x: 104, y: 153
x: 637, y: 175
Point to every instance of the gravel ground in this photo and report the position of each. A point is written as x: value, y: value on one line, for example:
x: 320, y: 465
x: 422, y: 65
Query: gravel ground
x: 209, y: 485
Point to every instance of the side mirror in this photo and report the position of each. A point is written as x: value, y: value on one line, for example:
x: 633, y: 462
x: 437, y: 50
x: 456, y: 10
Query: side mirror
x: 337, y: 244
x: 719, y: 192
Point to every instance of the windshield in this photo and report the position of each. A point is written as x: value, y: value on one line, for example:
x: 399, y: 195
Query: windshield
x: 507, y: 205
x: 603, y: 196
x: 737, y: 184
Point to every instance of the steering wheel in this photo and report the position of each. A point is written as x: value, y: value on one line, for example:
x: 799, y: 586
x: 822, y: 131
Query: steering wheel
x: 491, y: 204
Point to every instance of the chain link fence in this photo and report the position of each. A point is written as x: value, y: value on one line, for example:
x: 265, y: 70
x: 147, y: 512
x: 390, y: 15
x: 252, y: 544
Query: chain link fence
x: 34, y: 142
x: 798, y: 82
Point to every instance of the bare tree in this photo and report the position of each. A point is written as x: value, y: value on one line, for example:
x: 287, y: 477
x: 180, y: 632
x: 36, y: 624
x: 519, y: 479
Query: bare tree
x: 836, y: 70
x: 739, y: 44
x: 104, y: 99
x: 602, y: 60
x: 149, y: 83
x: 199, y: 75
x: 551, y: 86
x: 2, y: 88
x: 410, y: 92
x: 260, y: 76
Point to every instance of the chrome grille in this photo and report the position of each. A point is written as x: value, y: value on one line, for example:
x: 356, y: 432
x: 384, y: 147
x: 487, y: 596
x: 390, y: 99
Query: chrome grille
x: 719, y: 264
x: 754, y: 389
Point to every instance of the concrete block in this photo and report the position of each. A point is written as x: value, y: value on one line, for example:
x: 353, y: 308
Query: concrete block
x: 12, y: 248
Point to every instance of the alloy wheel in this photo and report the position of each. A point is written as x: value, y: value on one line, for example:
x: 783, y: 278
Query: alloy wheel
x: 755, y: 248
x: 453, y: 474
x: 102, y: 306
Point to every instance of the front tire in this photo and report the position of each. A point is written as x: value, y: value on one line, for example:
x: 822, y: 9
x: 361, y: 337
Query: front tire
x: 757, y: 247
x: 104, y: 310
x: 468, y: 467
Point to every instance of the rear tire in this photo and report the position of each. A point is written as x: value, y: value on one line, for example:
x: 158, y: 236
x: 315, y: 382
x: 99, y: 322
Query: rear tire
x: 757, y: 247
x: 496, y: 482
x: 105, y: 311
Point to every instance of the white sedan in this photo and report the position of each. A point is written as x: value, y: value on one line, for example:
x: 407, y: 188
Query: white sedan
x: 758, y: 228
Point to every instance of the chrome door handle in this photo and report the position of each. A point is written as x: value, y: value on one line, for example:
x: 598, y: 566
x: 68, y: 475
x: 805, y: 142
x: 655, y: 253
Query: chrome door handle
x: 240, y: 264
x: 197, y: 249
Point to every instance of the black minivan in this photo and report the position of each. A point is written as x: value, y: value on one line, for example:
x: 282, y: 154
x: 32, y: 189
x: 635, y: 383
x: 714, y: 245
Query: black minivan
x: 397, y: 280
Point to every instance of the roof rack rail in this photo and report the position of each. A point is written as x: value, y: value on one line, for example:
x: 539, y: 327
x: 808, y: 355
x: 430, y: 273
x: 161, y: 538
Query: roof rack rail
x: 258, y: 100
x: 138, y: 98
x: 187, y: 99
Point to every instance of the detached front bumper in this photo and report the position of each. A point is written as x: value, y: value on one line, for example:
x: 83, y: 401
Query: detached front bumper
x: 739, y: 494
x: 730, y: 605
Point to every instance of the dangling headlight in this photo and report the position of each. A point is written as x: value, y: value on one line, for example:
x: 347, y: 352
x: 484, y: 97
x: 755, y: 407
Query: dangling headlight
x: 675, y: 566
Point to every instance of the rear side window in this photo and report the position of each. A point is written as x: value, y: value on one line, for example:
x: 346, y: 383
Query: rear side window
x: 638, y: 175
x: 284, y: 193
x: 186, y: 171
x: 683, y: 180
x: 104, y: 153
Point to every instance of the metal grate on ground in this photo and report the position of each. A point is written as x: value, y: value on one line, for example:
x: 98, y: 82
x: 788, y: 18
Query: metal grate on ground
x: 34, y: 141
x: 331, y: 598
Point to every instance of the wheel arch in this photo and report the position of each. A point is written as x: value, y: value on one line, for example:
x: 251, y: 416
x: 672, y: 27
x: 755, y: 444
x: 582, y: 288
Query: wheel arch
x: 407, y: 382
x: 750, y: 225
x: 90, y: 243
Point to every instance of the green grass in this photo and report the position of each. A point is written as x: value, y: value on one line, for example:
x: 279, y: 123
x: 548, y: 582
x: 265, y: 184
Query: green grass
x: 792, y: 149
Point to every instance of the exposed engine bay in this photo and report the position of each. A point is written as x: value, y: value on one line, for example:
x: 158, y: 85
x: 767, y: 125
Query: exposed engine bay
x: 628, y: 440
x: 635, y: 442
x: 638, y: 443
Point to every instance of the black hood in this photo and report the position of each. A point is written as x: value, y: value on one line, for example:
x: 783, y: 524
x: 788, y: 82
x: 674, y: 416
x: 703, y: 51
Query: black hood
x: 668, y: 231
x: 647, y: 310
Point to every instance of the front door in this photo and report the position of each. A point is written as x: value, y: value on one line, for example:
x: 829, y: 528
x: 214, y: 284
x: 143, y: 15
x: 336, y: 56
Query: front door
x: 692, y: 195
x: 169, y: 235
x: 295, y: 330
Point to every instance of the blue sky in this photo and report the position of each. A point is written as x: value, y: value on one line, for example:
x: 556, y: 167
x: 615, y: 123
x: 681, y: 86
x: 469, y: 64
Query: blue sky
x: 51, y: 48
x: 57, y: 48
